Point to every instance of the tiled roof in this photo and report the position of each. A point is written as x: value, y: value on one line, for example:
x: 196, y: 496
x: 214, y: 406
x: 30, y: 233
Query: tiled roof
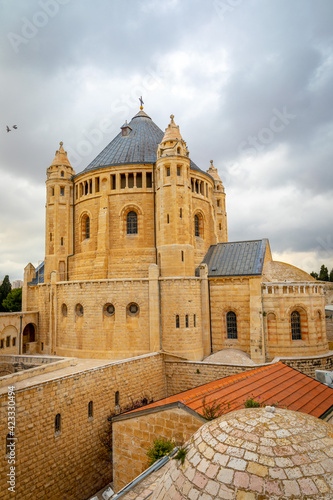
x: 239, y: 258
x: 276, y: 383
x: 139, y: 146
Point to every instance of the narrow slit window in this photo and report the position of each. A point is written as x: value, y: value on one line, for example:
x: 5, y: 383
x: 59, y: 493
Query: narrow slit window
x: 177, y: 321
x: 90, y: 409
x: 57, y: 423
x: 139, y: 180
x: 186, y: 320
x: 149, y: 182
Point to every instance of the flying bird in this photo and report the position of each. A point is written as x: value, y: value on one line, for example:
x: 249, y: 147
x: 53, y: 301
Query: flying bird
x: 8, y: 129
x: 15, y: 127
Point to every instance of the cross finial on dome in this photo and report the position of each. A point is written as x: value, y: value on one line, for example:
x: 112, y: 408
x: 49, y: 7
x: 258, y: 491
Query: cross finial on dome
x: 61, y: 143
x: 141, y: 103
x: 172, y: 117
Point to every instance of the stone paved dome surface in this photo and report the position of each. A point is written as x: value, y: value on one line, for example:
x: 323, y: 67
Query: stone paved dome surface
x: 254, y: 454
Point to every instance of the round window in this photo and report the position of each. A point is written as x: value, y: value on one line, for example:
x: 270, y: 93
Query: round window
x: 79, y: 310
x: 109, y: 309
x: 64, y: 310
x: 133, y: 309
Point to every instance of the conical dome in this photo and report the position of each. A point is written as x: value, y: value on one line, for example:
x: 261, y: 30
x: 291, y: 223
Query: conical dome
x: 172, y: 132
x: 138, y: 145
x: 60, y: 157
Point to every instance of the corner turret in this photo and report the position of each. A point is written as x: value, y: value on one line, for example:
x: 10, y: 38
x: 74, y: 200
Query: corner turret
x: 219, y: 204
x: 59, y: 215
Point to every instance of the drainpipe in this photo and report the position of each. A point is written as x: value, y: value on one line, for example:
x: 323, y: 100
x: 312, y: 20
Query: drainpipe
x: 210, y: 319
x: 264, y: 347
x: 21, y: 317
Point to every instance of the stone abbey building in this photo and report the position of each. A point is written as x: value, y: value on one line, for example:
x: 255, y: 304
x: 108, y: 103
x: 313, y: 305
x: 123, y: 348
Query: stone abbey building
x: 137, y: 260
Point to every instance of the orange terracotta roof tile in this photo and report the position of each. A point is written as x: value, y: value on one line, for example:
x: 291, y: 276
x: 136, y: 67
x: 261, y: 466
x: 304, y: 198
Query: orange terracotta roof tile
x: 270, y: 384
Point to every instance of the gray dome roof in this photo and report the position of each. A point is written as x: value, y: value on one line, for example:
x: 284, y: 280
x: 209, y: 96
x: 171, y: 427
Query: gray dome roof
x: 139, y: 146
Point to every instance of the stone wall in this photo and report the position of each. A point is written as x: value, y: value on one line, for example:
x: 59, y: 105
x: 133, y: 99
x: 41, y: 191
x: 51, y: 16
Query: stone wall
x: 71, y: 464
x: 184, y: 375
x: 133, y: 436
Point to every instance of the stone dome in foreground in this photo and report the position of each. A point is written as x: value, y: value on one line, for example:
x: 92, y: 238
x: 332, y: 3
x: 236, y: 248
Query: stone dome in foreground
x: 254, y: 454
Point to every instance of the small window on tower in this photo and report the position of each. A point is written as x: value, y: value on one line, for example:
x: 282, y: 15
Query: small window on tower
x: 177, y: 321
x: 168, y: 171
x: 168, y: 219
x: 218, y: 203
x: 186, y: 320
x: 181, y: 213
x: 62, y: 191
x: 62, y: 174
x: 149, y: 182
x: 62, y: 241
x: 179, y: 171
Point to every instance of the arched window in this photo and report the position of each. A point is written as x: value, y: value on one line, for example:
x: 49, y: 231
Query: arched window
x: 177, y: 321
x: 116, y: 398
x: 296, y: 326
x: 57, y: 423
x: 196, y: 225
x: 132, y: 223
x: 231, y: 325
x: 85, y: 226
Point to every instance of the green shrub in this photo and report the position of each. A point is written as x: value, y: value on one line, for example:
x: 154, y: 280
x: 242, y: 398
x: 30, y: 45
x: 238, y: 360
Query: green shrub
x: 214, y: 409
x: 252, y: 403
x: 160, y: 448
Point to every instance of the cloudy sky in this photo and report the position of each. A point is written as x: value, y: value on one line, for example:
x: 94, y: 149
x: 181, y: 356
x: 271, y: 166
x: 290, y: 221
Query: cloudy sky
x: 250, y: 83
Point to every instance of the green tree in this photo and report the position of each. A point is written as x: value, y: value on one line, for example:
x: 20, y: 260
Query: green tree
x: 13, y: 301
x: 5, y: 288
x: 331, y: 275
x: 323, y: 274
x: 314, y: 275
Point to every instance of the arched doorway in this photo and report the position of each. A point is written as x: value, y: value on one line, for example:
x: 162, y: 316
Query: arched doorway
x: 29, y: 336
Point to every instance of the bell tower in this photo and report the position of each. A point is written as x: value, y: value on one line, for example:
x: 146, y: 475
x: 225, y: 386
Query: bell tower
x: 59, y: 215
x: 174, y: 243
